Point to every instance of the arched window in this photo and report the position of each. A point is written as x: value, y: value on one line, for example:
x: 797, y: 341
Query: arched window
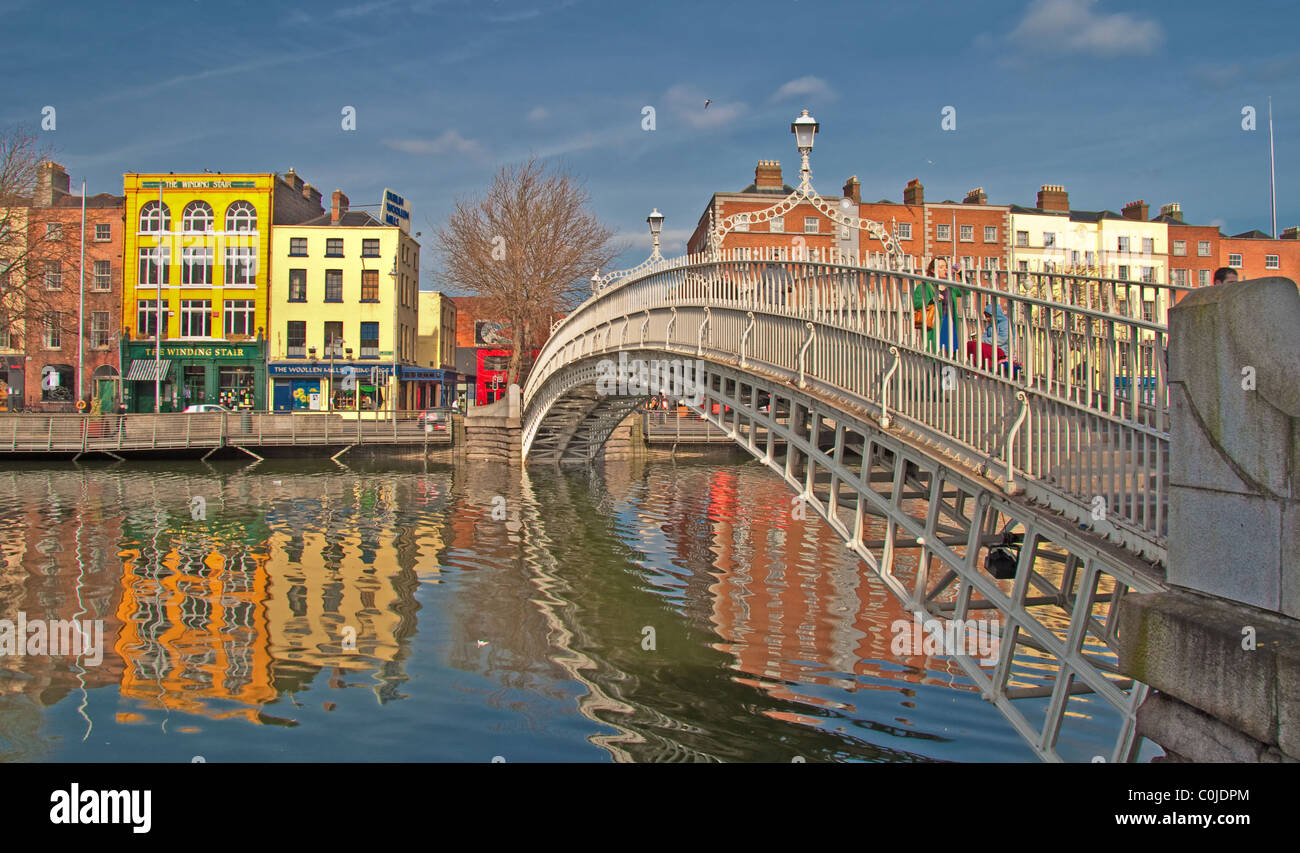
x: 151, y: 215
x: 241, y: 216
x: 197, y: 218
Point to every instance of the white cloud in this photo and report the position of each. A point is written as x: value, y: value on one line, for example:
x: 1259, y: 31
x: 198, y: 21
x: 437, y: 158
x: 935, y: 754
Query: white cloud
x: 538, y: 114
x: 1077, y: 26
x: 449, y: 142
x: 687, y: 104
x: 808, y: 86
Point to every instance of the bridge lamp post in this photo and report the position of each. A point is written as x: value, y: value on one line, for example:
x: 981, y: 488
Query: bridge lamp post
x: 656, y: 220
x: 804, y: 129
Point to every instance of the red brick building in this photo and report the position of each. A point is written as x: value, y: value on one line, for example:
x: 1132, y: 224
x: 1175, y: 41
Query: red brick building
x: 973, y: 231
x: 55, y: 371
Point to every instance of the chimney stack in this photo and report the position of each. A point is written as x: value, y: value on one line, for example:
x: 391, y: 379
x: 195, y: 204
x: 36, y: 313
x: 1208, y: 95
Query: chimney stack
x: 1054, y: 197
x: 1173, y: 210
x: 914, y: 193
x: 1136, y: 210
x: 1292, y: 233
x: 853, y: 189
x: 293, y: 180
x: 312, y: 195
x: 51, y: 184
x: 976, y: 196
x: 338, y: 206
x: 767, y: 175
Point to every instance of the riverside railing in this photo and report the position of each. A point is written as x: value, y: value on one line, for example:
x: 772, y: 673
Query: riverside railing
x: 80, y: 433
x: 1068, y: 398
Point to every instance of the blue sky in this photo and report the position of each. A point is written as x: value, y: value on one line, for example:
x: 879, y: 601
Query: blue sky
x: 1117, y: 101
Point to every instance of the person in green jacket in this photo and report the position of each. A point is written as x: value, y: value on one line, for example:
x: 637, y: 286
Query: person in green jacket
x: 942, y: 330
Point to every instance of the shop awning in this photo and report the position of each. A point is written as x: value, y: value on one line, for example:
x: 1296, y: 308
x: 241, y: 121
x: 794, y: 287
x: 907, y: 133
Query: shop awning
x: 147, y: 370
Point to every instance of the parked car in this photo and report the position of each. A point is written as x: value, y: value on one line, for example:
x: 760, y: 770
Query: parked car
x: 204, y: 407
x: 436, y: 419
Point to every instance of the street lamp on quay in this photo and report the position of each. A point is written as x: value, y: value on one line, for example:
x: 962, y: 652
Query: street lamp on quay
x: 600, y: 282
x: 805, y: 129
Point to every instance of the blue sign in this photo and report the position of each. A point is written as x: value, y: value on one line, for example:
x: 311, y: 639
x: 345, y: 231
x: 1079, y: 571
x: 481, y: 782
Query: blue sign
x: 324, y: 368
x: 395, y: 210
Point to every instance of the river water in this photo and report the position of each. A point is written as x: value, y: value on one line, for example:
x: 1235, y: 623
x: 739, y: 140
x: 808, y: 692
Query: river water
x: 431, y: 611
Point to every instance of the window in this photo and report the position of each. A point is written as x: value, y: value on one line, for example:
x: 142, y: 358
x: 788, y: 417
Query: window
x: 155, y: 262
x: 967, y: 233
x: 778, y: 223
x: 1271, y: 262
x: 103, y: 279
x: 1203, y: 248
x: 1123, y: 244
x: 197, y: 218
x: 1089, y: 258
x: 297, y: 247
x: 370, y: 285
x: 1074, y: 256
x: 1149, y: 275
x: 370, y: 340
x: 103, y: 233
x: 905, y: 231
x: 1123, y: 273
x: 1234, y: 261
x: 52, y: 329
x: 333, y: 285
x: 810, y: 225
x: 943, y: 232
x: 1203, y: 278
x: 1148, y: 245
x: 990, y: 263
x: 1179, y: 277
x: 53, y: 275
x: 196, y: 318
x: 241, y: 265
x: 370, y: 249
x: 146, y: 317
x: 1148, y: 310
x: 239, y: 317
x: 334, y: 338
x: 1022, y: 239
x: 1049, y: 239
x: 296, y: 338
x: 99, y: 330
x: 990, y: 233
x: 53, y: 231
x: 297, y: 285
x: 334, y: 247
x: 59, y: 384
x: 151, y: 217
x: 1180, y: 248
x: 196, y: 266
x: 241, y: 216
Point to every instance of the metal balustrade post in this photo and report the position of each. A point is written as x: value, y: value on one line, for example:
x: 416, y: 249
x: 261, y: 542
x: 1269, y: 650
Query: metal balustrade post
x: 745, y: 337
x: 699, y: 349
x: 812, y: 333
x: 1010, y: 485
x: 885, y: 419
x: 668, y: 332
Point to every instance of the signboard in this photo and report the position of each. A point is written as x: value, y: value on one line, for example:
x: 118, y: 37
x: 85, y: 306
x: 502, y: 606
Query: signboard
x: 395, y: 210
x: 198, y: 185
x: 491, y: 333
x: 360, y: 371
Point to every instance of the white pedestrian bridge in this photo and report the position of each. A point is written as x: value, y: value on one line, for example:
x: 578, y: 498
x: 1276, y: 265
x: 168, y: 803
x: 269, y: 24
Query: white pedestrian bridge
x: 1024, y: 483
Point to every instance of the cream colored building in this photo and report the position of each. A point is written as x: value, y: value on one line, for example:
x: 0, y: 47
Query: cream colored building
x: 435, y: 349
x: 344, y: 314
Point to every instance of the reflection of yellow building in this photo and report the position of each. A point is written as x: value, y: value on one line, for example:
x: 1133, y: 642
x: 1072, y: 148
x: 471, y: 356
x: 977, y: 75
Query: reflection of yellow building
x: 345, y: 611
x: 198, y: 634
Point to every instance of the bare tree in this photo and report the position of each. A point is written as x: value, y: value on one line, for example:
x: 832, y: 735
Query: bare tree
x: 35, y: 244
x: 528, y: 247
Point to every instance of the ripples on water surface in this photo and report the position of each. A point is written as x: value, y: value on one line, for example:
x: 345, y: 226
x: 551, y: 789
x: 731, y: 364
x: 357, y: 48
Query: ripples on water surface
x: 475, y: 636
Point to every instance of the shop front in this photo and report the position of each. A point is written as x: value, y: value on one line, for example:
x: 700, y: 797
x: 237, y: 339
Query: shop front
x: 431, y: 388
x: 11, y: 383
x: 341, y: 386
x: 229, y: 374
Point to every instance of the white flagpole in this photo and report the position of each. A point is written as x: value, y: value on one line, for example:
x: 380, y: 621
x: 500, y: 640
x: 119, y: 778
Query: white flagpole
x: 1272, y: 175
x: 81, y: 304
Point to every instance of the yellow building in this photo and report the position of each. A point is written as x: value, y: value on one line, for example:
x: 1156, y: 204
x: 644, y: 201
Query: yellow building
x: 200, y: 243
x: 344, y: 303
x: 436, y: 350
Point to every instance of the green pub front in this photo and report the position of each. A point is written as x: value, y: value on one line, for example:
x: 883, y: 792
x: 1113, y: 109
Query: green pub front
x: 193, y: 373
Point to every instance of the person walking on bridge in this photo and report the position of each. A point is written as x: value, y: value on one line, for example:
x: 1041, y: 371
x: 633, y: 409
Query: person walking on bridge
x: 936, y: 308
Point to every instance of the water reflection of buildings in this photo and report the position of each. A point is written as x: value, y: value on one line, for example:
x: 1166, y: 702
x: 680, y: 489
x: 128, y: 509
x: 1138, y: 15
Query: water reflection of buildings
x: 56, y: 544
